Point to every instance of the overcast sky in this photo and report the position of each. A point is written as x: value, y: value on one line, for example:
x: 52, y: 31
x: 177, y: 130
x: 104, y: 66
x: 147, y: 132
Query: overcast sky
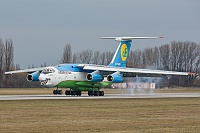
x: 41, y: 28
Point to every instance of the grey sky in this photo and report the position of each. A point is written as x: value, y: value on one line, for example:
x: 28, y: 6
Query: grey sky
x: 41, y: 28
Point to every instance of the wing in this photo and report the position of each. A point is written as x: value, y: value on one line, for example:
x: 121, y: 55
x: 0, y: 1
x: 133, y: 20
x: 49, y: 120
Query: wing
x: 26, y: 70
x: 132, y: 71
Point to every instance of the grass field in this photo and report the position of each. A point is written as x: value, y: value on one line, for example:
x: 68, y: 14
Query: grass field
x: 100, y: 115
x: 106, y: 115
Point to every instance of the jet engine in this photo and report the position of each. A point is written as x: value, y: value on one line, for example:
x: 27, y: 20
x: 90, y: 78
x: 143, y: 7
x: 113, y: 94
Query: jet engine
x: 33, y: 76
x: 115, y: 77
x: 94, y: 76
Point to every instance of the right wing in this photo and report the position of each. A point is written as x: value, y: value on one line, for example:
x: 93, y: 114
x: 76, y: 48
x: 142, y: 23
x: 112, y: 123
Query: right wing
x: 130, y: 70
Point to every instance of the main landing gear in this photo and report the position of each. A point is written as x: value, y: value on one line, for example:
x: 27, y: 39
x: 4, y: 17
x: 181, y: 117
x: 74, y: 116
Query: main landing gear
x: 73, y: 93
x: 57, y: 92
x: 95, y: 93
x: 77, y: 93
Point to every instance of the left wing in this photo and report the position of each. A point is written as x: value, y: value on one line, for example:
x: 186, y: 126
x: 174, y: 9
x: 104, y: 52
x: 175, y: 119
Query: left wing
x: 130, y: 70
x: 26, y: 70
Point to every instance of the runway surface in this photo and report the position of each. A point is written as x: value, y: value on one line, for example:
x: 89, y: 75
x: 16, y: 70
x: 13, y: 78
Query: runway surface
x: 107, y: 96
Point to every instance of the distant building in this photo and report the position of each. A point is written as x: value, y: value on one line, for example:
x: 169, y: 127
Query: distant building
x: 134, y: 85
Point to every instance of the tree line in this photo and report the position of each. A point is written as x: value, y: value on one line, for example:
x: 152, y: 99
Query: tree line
x: 7, y: 64
x: 176, y: 56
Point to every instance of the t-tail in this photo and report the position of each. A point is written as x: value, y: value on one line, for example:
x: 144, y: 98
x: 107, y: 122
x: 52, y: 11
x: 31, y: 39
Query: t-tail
x: 121, y: 55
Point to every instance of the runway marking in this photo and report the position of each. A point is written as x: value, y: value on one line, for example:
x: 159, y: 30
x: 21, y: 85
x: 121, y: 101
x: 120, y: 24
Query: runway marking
x: 107, y: 96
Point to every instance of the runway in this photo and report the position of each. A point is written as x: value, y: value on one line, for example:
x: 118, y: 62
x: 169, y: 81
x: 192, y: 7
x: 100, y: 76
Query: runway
x: 107, y: 96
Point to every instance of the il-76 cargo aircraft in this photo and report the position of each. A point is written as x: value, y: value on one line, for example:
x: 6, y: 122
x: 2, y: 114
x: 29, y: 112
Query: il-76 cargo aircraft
x: 89, y: 77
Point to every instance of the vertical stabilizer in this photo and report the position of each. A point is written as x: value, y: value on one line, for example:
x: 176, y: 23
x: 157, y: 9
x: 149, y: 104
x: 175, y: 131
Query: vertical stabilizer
x: 121, y: 55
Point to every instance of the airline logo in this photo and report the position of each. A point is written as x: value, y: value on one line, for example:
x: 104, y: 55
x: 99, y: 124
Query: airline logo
x: 124, y: 52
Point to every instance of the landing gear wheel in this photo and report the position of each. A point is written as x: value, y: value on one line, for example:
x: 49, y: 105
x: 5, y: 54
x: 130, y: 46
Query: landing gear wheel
x: 73, y: 93
x: 60, y: 92
x: 57, y: 92
x: 101, y: 93
x: 67, y: 92
x: 78, y: 93
x: 90, y: 93
x: 96, y: 93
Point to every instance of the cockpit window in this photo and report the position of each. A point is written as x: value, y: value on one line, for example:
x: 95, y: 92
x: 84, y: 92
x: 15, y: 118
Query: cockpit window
x: 48, y: 70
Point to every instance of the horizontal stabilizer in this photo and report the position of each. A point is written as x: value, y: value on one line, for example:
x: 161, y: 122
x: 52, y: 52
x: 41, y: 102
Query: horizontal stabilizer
x: 130, y: 38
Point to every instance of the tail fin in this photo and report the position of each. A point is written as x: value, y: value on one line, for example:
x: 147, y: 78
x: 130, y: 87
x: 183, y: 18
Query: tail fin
x: 121, y: 55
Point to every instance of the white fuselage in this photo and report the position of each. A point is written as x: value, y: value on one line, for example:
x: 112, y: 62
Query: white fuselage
x: 51, y: 76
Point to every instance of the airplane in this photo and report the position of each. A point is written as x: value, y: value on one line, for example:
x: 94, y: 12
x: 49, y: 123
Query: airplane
x: 91, y: 77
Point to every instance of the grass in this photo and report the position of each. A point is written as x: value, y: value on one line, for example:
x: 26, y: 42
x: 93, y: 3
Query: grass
x: 101, y: 115
x: 26, y: 91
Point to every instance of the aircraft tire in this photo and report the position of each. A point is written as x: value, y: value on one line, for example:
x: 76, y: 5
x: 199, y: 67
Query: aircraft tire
x: 73, y: 93
x: 78, y: 93
x: 60, y: 92
x: 67, y: 92
x: 96, y: 93
x: 55, y: 92
x: 101, y: 93
x: 90, y: 93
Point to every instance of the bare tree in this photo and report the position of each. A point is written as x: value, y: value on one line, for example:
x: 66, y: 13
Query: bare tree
x: 109, y: 56
x: 96, y: 58
x: 193, y: 54
x: 176, y: 59
x: 1, y: 62
x: 130, y: 59
x: 67, y: 54
x: 165, y: 56
x: 74, y: 59
x: 86, y: 56
x: 102, y: 59
x: 8, y: 55
x: 1, y: 55
x: 148, y: 57
x: 156, y: 57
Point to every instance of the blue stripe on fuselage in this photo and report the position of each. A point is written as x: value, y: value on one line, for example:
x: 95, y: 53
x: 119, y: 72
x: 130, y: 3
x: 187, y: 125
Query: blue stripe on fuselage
x: 71, y: 67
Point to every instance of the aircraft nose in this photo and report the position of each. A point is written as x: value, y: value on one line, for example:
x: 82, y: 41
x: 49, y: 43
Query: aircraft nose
x: 44, y: 80
x: 41, y: 77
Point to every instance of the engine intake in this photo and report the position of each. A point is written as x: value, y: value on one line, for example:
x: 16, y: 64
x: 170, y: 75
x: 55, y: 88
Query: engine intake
x: 33, y: 77
x: 115, y: 77
x: 94, y: 76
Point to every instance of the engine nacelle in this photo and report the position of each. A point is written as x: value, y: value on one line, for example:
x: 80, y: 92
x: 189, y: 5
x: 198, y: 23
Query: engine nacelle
x: 33, y: 76
x: 94, y: 77
x: 115, y: 78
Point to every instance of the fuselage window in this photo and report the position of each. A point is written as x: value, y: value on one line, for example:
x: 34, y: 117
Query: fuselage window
x: 64, y: 72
